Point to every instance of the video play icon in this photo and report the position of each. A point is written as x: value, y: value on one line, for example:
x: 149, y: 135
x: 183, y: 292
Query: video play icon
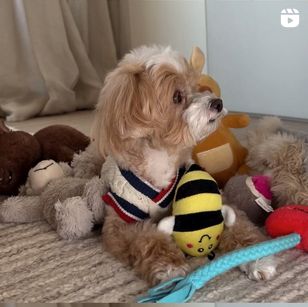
x: 289, y: 18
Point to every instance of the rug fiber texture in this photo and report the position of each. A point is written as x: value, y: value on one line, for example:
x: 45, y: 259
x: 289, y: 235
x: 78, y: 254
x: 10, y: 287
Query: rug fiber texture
x: 37, y: 266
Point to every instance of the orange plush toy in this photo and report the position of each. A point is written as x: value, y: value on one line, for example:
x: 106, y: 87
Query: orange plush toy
x: 220, y: 154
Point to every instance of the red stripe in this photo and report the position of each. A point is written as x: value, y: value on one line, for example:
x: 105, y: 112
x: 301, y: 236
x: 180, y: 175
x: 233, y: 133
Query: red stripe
x: 164, y: 191
x: 109, y: 201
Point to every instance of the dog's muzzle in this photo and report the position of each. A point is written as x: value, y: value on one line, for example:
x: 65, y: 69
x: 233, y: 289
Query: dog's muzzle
x: 213, y: 103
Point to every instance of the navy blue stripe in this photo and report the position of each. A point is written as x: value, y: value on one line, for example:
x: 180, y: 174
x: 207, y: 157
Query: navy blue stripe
x: 182, y: 171
x: 130, y: 208
x: 138, y: 184
x: 166, y: 202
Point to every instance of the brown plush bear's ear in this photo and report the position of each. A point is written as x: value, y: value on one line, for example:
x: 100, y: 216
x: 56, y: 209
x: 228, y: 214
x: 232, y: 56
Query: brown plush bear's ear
x: 3, y: 127
x: 197, y: 59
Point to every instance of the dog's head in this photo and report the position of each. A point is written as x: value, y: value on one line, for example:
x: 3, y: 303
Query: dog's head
x: 151, y: 99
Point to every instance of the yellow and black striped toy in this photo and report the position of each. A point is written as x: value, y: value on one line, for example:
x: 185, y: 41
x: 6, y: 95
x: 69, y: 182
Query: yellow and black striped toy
x: 197, y: 219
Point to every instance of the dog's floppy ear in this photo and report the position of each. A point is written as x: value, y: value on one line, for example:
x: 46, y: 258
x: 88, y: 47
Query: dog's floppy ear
x: 197, y: 59
x: 120, y: 113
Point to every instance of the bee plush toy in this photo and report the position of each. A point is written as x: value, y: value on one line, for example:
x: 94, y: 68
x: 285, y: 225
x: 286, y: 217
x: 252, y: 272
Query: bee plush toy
x: 198, y: 215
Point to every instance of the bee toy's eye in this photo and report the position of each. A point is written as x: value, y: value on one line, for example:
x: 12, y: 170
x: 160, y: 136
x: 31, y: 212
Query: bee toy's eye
x: 200, y: 250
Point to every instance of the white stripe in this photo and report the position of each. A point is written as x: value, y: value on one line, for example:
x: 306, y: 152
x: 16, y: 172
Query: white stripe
x: 148, y: 183
x: 121, y: 187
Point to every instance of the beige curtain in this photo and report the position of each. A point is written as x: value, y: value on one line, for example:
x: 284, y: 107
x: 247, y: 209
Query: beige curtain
x: 120, y: 19
x: 53, y: 55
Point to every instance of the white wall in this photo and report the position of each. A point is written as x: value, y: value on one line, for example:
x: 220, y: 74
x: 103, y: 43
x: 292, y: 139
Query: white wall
x: 260, y: 66
x: 179, y: 23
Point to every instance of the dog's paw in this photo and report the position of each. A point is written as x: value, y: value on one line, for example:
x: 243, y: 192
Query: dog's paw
x: 261, y: 269
x: 165, y: 272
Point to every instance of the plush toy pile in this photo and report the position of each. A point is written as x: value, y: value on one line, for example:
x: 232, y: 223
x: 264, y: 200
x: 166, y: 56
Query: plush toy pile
x: 34, y: 186
x: 280, y: 158
x: 20, y: 151
x: 272, y: 172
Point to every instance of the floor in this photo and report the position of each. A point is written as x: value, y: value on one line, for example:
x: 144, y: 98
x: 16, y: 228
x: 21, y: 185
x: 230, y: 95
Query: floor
x: 80, y: 120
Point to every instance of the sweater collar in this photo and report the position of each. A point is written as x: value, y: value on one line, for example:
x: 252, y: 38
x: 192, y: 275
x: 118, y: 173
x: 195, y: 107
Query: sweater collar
x: 156, y: 195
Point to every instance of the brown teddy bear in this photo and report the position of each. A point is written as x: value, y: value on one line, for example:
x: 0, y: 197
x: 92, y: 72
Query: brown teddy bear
x: 20, y: 151
x: 61, y: 142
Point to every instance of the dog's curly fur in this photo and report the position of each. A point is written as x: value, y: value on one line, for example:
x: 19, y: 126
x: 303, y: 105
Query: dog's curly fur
x: 143, y: 126
x: 283, y: 156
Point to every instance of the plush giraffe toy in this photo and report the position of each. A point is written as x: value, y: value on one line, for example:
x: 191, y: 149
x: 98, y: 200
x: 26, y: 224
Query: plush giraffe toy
x: 220, y: 154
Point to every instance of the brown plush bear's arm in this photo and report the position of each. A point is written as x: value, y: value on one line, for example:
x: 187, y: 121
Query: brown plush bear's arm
x: 238, y: 120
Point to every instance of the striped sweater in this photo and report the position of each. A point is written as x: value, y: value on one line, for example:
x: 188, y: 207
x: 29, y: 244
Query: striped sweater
x: 133, y: 198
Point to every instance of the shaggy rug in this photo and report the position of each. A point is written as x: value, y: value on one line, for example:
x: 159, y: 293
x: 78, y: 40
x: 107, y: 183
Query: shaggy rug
x: 37, y: 266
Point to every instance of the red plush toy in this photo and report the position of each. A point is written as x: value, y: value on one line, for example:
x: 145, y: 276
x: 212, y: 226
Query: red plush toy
x: 287, y: 220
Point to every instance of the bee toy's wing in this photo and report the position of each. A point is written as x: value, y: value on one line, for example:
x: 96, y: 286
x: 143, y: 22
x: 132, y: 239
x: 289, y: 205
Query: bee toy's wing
x: 166, y: 225
x: 229, y: 215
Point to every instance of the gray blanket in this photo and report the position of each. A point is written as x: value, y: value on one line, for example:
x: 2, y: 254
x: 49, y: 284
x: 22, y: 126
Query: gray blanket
x: 37, y: 266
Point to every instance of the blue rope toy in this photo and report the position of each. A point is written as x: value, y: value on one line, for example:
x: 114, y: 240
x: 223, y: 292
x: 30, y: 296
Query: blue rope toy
x: 181, y: 289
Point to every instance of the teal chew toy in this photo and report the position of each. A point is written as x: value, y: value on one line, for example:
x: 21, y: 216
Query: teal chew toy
x: 181, y: 289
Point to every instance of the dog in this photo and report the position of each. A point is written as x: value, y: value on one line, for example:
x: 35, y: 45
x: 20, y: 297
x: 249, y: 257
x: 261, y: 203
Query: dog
x: 148, y: 118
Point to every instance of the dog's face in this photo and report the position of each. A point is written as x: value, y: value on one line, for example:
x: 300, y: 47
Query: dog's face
x: 151, y: 98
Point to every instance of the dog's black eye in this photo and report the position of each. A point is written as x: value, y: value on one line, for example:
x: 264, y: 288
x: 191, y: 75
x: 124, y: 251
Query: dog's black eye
x: 178, y: 97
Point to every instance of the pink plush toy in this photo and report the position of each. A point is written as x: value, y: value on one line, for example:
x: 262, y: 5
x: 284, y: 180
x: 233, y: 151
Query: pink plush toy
x: 287, y: 220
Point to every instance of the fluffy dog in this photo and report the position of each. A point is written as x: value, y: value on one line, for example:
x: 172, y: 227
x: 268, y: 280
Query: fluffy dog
x: 148, y: 118
x: 283, y: 156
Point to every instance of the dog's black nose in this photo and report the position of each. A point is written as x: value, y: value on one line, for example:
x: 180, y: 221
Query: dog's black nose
x: 216, y: 104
